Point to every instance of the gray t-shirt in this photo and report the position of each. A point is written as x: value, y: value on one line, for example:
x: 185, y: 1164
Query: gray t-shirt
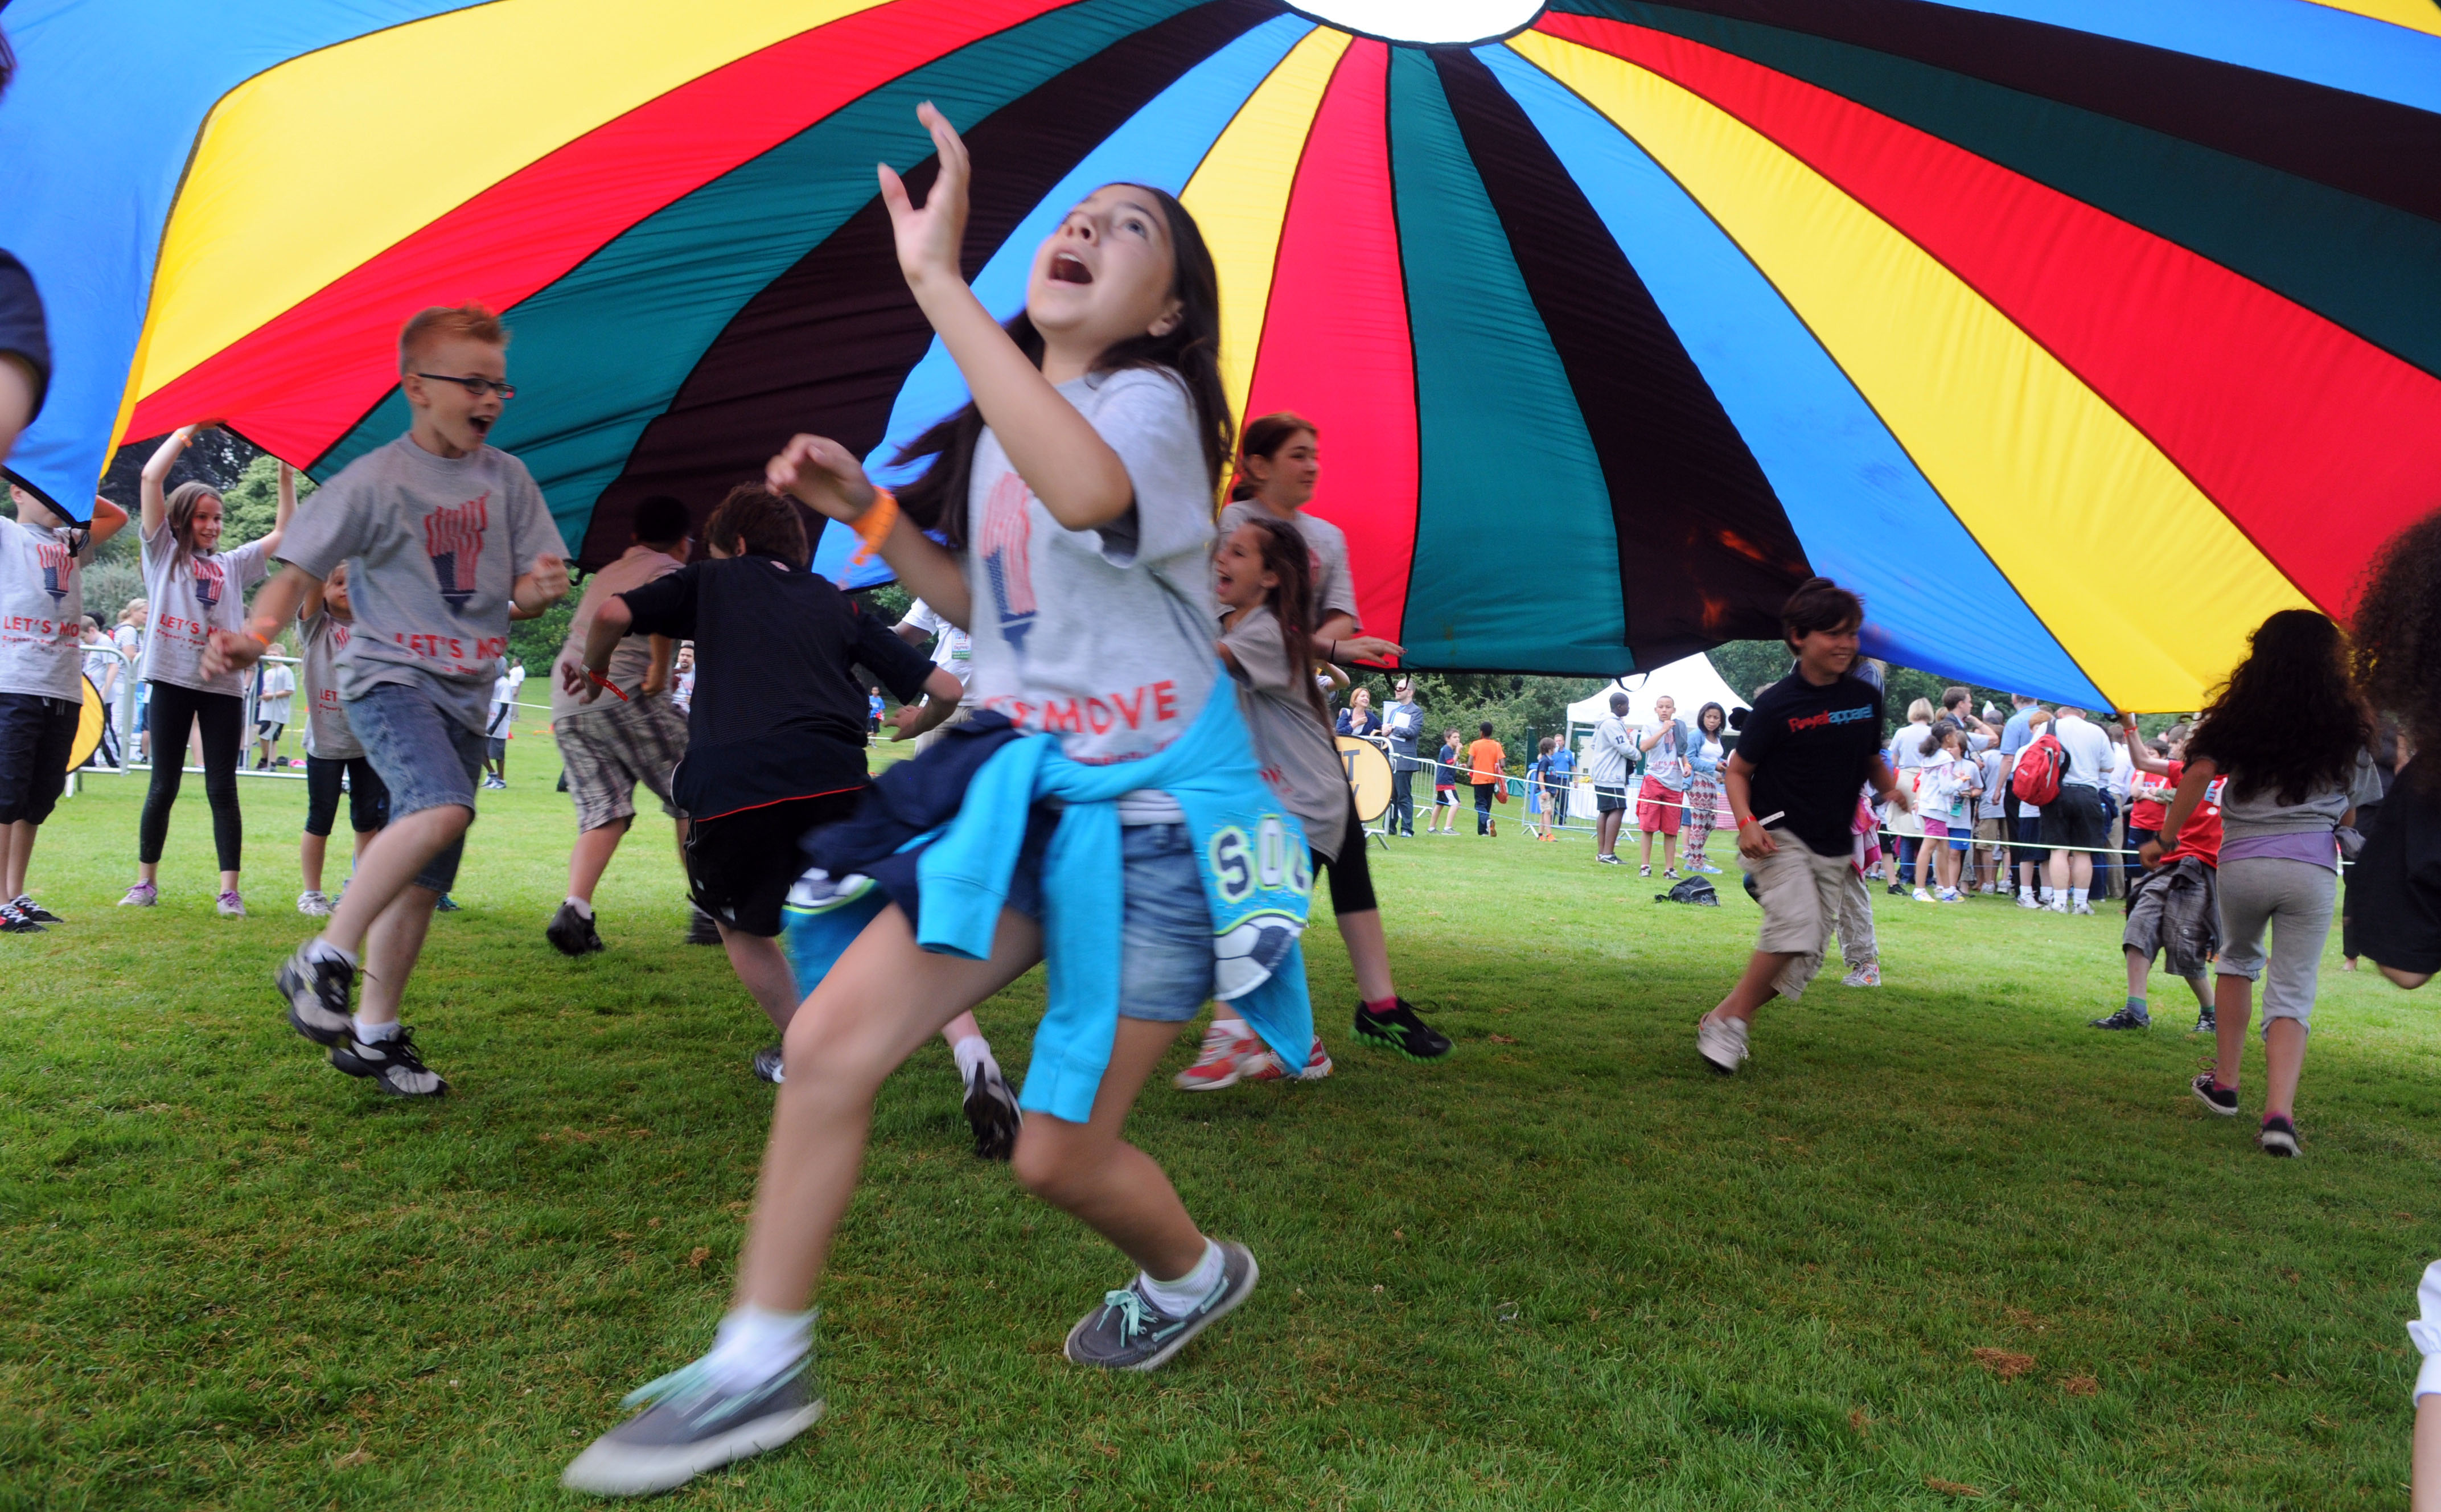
x: 192, y: 597
x: 1325, y: 547
x: 319, y: 639
x: 633, y: 656
x: 435, y: 546
x: 1300, y: 759
x: 42, y: 606
x: 2252, y: 814
x: 1101, y: 637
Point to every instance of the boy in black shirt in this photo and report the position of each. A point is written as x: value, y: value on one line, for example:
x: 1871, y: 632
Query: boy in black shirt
x: 1810, y: 742
x: 776, y: 730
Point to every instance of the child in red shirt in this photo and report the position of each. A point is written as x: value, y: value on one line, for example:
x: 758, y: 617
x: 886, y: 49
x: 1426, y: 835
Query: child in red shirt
x: 2173, y: 908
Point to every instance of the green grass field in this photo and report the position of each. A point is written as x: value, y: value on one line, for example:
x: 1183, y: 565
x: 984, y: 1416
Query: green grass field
x: 1941, y: 1244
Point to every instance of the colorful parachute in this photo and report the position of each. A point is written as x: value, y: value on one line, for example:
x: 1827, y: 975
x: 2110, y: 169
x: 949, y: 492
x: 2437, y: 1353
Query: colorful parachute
x: 2078, y: 334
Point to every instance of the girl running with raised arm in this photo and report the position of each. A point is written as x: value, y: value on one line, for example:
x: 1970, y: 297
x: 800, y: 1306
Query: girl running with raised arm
x: 1075, y: 499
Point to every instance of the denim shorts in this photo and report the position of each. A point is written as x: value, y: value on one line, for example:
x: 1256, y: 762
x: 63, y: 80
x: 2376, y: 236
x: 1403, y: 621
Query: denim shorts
x: 1165, y: 940
x: 426, y: 759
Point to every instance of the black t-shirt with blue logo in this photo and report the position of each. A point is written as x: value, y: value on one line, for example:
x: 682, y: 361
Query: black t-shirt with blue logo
x: 1811, y: 750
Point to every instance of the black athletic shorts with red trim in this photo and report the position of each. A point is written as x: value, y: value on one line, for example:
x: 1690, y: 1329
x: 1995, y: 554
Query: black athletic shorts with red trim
x: 740, y: 865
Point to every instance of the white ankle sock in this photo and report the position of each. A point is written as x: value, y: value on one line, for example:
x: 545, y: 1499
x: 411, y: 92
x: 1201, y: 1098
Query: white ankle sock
x: 584, y: 909
x: 972, y: 1052
x: 1234, y: 1027
x: 318, y: 948
x: 756, y: 1343
x: 2076, y: 897
x: 1176, y: 1297
x: 373, y: 1034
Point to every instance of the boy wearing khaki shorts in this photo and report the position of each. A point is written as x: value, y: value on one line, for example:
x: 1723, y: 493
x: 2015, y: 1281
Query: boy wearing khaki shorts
x: 1811, y: 741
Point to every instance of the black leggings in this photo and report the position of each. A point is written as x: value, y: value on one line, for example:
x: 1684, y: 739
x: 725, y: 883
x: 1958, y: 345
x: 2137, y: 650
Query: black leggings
x: 223, y: 717
x: 1351, y: 875
x: 368, y: 799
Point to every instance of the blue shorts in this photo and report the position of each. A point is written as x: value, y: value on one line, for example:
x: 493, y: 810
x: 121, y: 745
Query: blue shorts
x: 426, y: 759
x: 1165, y: 939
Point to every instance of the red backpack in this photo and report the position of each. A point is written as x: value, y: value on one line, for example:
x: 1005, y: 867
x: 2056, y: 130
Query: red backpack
x: 2036, y: 779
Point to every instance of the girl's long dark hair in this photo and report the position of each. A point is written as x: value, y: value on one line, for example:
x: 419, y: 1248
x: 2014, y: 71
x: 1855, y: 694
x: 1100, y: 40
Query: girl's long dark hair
x: 2287, y: 721
x: 2397, y: 630
x: 1191, y: 352
x: 1285, y: 557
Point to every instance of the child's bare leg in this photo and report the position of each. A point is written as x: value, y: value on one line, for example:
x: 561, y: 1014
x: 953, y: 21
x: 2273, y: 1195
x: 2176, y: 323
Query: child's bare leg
x: 2232, y: 1004
x: 876, y: 1008
x: 1089, y: 1171
x: 590, y: 858
x: 763, y: 966
x: 2284, y: 1061
x: 392, y: 948
x: 1755, y: 987
x: 2140, y: 970
x: 1368, y: 953
x: 961, y: 1028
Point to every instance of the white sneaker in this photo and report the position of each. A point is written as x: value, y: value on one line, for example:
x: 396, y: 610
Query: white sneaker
x: 1949, y: 895
x: 312, y: 904
x: 1922, y: 897
x: 1869, y: 975
x: 2080, y: 908
x: 1722, y: 1042
x: 2057, y: 905
x: 1987, y: 890
x: 2026, y: 900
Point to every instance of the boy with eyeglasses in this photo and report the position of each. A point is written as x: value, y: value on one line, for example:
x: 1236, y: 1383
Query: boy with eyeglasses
x: 447, y: 539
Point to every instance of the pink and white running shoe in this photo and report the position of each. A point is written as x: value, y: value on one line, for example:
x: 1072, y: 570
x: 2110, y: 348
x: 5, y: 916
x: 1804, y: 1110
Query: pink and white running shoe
x: 1265, y: 1066
x: 1226, y: 1057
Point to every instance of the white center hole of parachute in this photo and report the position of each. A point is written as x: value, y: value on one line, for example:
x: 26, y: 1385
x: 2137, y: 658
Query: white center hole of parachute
x: 1425, y: 21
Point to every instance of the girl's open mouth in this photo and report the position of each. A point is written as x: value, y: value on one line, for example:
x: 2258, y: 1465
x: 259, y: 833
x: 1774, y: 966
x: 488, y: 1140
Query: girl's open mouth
x: 1067, y: 267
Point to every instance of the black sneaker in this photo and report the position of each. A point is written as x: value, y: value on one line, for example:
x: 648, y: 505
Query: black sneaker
x: 316, y: 993
x: 2221, y: 1100
x: 991, y: 1113
x: 13, y: 921
x: 26, y: 906
x: 392, y: 1064
x: 700, y: 928
x: 2279, y: 1137
x: 1128, y: 1331
x: 1895, y: 889
x: 1400, y: 1030
x: 2206, y: 1024
x: 2129, y: 1017
x: 691, y: 1425
x: 572, y: 933
x: 765, y: 1063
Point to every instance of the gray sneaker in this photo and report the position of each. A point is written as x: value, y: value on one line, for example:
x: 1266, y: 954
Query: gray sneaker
x: 391, y: 1064
x: 1128, y: 1331
x: 691, y: 1425
x: 1722, y: 1042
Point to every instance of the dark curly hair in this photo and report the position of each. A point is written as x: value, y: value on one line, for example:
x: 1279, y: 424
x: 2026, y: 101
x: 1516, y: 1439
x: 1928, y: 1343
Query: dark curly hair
x: 2398, y: 630
x: 2287, y: 721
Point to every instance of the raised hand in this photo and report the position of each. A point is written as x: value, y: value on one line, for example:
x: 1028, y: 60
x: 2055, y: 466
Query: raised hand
x: 1370, y: 648
x: 931, y: 239
x: 822, y: 473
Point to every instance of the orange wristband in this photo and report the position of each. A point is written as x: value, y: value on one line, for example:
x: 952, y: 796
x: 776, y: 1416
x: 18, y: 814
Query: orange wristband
x: 873, y: 526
